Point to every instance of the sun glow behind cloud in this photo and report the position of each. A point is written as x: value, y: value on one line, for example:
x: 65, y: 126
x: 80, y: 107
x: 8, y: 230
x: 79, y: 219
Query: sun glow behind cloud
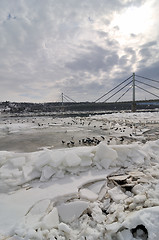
x: 134, y: 20
x: 132, y: 28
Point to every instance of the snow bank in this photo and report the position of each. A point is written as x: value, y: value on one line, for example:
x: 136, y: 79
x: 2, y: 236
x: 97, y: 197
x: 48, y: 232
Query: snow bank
x: 143, y: 224
x: 94, y: 192
x: 18, y: 169
x: 113, y: 214
x: 113, y: 207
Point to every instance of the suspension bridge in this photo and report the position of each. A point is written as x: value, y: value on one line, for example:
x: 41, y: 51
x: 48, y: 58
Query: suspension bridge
x: 132, y: 83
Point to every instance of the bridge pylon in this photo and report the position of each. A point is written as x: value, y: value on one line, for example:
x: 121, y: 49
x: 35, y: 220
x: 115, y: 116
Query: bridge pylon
x: 133, y: 100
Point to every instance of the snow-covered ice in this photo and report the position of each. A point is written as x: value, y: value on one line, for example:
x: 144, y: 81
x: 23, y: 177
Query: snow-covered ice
x: 105, y: 189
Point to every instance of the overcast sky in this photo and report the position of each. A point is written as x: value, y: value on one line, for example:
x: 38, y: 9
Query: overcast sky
x: 82, y: 48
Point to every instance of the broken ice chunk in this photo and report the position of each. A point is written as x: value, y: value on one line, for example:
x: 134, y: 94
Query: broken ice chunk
x: 68, y: 212
x: 88, y: 194
x: 72, y: 160
x: 47, y: 173
x: 96, y: 186
x: 64, y: 227
x: 117, y: 195
x: 105, y: 155
x: 139, y: 198
x: 51, y: 220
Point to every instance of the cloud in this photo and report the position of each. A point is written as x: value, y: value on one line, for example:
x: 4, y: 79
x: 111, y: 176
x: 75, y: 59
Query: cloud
x: 151, y: 71
x: 48, y: 47
x: 95, y: 60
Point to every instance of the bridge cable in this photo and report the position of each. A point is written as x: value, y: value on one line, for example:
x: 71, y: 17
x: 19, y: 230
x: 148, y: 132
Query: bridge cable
x: 118, y: 91
x: 112, y: 89
x: 147, y: 78
x: 124, y: 93
x: 147, y: 91
x: 147, y: 84
x: 68, y: 97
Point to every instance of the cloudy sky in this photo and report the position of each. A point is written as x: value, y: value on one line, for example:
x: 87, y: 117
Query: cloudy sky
x: 82, y: 48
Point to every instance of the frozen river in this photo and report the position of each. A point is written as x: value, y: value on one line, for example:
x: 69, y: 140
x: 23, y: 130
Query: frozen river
x: 75, y: 189
x: 28, y: 134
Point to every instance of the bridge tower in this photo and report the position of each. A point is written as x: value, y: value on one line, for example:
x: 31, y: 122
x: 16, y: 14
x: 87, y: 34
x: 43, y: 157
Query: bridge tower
x: 62, y: 99
x: 133, y: 100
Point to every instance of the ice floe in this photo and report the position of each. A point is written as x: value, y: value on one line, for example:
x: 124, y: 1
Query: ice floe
x: 108, y: 191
